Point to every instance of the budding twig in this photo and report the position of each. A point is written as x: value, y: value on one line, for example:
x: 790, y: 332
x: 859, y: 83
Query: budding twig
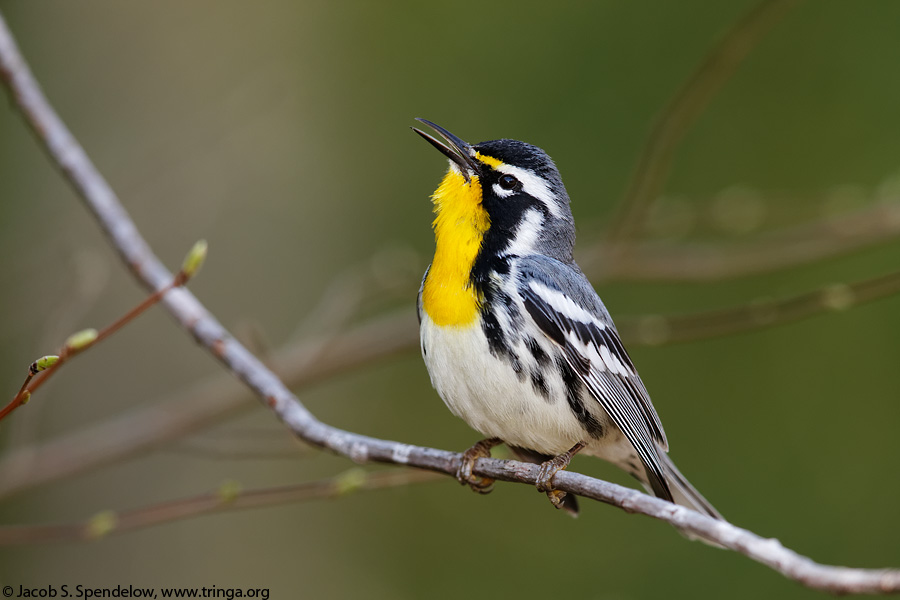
x: 44, y: 368
x: 228, y: 497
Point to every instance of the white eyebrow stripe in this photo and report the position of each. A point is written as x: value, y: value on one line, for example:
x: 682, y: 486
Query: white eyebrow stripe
x: 533, y: 186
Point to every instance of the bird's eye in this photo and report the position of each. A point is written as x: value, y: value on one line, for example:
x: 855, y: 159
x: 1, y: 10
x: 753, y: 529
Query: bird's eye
x: 508, y: 182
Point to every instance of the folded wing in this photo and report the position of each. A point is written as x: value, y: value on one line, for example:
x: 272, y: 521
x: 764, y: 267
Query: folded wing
x: 593, y: 349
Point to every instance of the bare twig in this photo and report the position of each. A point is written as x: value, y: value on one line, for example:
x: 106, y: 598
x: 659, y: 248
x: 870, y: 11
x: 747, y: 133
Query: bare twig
x: 679, y: 115
x: 109, y: 523
x: 658, y: 329
x: 200, y: 405
x: 796, y: 246
x: 193, y: 317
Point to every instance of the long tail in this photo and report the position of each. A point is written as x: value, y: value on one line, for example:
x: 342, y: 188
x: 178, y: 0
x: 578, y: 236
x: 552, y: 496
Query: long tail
x: 683, y: 492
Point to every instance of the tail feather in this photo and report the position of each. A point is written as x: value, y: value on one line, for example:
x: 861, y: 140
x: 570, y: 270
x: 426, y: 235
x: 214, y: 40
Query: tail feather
x: 683, y: 492
x: 687, y: 495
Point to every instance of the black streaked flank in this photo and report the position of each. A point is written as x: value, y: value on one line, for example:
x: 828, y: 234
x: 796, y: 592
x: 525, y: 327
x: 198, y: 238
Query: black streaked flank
x: 517, y: 366
x: 491, y: 328
x: 537, y: 352
x: 512, y: 311
x: 498, y: 343
x: 540, y: 385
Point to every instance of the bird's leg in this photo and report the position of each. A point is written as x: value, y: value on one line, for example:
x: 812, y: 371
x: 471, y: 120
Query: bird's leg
x: 551, y: 468
x: 482, y: 485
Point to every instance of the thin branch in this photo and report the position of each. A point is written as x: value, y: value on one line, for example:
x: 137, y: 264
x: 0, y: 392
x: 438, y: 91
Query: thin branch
x: 682, y: 111
x: 201, y: 405
x: 88, y: 338
x: 110, y: 523
x: 658, y: 329
x: 310, y: 361
x: 765, y: 253
x: 85, y: 340
x: 194, y: 318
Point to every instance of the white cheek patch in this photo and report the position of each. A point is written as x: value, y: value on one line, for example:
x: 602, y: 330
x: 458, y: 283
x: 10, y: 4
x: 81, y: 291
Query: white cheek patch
x: 533, y: 186
x: 527, y: 235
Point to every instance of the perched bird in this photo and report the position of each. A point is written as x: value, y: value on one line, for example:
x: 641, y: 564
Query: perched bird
x: 516, y: 341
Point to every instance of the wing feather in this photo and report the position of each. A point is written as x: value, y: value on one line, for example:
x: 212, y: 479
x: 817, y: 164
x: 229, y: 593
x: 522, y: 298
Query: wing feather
x: 594, y: 351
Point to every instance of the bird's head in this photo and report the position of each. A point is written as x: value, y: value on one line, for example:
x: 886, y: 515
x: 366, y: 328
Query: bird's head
x: 505, y: 196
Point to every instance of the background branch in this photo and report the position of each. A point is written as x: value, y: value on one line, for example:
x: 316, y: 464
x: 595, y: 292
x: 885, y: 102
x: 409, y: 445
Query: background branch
x: 764, y: 253
x: 760, y: 314
x: 679, y: 115
x: 769, y: 552
x: 108, y: 522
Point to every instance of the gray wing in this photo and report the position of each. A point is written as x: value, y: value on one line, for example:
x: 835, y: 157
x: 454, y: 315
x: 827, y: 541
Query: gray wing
x: 565, y: 307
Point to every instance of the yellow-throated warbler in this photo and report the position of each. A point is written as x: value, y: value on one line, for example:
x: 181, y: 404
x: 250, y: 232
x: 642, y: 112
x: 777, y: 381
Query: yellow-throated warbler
x: 516, y: 341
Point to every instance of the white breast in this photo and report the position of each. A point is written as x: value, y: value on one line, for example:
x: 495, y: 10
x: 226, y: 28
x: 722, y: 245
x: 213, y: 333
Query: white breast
x: 487, y: 393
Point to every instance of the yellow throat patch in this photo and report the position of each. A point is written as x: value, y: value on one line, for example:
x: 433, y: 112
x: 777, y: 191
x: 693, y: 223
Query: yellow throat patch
x: 459, y: 226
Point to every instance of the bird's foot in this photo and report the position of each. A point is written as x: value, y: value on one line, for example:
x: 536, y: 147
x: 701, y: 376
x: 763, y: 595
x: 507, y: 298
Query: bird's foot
x: 482, y: 485
x: 550, y: 468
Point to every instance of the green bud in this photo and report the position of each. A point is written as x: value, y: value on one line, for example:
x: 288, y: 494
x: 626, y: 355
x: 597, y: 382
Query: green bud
x: 350, y: 481
x: 102, y: 524
x: 194, y: 260
x: 838, y: 296
x: 43, y: 363
x: 26, y: 396
x: 229, y: 491
x: 82, y: 339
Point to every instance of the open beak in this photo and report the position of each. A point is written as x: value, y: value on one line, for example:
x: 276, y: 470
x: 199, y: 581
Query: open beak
x: 460, y: 152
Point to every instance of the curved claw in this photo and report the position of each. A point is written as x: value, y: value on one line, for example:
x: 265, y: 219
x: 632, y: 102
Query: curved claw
x: 481, y: 485
x: 552, y: 467
x: 557, y: 498
x: 549, y: 469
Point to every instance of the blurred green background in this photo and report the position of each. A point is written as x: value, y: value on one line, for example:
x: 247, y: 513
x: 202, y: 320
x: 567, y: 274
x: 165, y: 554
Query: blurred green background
x: 279, y: 132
